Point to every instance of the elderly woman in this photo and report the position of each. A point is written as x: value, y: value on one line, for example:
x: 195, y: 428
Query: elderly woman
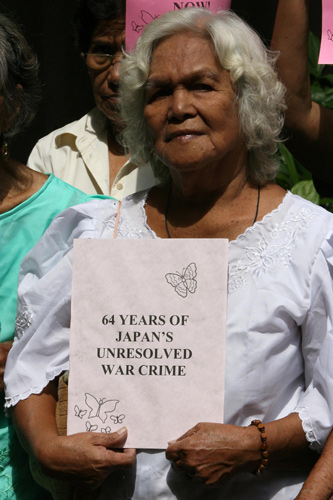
x: 29, y: 201
x: 204, y: 105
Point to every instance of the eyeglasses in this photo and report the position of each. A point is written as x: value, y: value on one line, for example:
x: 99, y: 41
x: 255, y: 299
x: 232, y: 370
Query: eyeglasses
x: 101, y: 61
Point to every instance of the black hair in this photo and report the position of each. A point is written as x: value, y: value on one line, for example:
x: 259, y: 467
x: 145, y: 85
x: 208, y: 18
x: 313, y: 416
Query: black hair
x: 19, y: 81
x: 89, y: 13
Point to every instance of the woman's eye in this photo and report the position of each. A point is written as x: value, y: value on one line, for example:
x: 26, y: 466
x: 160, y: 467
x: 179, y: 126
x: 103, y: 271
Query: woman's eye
x: 157, y: 94
x: 102, y: 49
x: 202, y: 86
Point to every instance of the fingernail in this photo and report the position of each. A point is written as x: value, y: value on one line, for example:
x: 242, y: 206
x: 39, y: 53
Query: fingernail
x: 173, y: 441
x: 122, y: 431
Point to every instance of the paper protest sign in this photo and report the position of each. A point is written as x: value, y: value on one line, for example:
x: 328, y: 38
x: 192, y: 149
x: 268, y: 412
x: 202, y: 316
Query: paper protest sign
x: 147, y: 337
x: 326, y: 47
x: 140, y: 13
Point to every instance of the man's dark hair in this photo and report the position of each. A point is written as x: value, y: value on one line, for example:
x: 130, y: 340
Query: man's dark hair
x: 89, y: 13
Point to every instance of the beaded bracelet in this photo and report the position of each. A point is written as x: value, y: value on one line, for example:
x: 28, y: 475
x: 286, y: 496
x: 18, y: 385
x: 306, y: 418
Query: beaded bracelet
x: 263, y: 448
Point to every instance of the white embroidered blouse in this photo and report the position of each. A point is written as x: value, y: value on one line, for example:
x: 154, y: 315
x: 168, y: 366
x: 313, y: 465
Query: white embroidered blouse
x: 280, y: 309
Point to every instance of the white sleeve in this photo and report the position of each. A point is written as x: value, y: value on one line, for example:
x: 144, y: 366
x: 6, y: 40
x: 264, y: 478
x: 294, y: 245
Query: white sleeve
x: 36, y: 160
x: 41, y: 346
x: 316, y: 406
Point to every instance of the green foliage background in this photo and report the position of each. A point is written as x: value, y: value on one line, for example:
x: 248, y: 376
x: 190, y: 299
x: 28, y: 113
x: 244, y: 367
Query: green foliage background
x: 292, y: 175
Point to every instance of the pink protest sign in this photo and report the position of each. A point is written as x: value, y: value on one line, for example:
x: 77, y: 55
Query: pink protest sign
x: 147, y: 342
x: 139, y: 13
x: 326, y: 48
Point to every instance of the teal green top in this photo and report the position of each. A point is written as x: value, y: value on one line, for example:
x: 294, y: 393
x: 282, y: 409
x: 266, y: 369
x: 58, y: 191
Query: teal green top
x: 20, y: 229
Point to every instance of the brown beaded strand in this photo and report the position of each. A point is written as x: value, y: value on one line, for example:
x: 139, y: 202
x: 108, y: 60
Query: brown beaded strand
x: 263, y: 448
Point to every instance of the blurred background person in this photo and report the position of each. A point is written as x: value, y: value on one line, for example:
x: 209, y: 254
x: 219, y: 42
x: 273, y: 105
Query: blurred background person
x: 86, y: 153
x: 308, y: 124
x: 29, y: 201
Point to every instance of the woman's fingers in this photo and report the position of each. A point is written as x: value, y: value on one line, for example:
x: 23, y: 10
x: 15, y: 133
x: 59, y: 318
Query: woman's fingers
x: 127, y: 458
x: 110, y: 440
x: 174, y: 449
x: 87, y: 458
x: 114, y: 452
x: 187, y: 434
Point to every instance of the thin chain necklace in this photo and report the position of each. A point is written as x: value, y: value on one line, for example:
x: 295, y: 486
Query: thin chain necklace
x: 168, y: 206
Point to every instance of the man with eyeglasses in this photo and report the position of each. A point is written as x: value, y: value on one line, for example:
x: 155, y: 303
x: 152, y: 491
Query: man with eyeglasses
x: 86, y: 153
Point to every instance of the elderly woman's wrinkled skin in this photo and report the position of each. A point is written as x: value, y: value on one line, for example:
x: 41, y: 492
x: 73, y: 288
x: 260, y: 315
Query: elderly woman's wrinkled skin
x: 109, y: 38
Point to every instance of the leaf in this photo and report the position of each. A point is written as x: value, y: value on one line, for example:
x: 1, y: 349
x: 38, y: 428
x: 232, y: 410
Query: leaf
x: 307, y: 190
x: 327, y: 79
x: 283, y: 181
x: 327, y: 203
x: 290, y: 163
x: 321, y: 94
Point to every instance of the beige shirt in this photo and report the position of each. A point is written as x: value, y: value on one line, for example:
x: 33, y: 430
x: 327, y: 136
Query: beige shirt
x: 78, y: 154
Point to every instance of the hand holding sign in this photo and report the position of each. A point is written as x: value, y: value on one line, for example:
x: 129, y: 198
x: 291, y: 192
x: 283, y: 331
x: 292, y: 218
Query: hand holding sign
x: 213, y: 452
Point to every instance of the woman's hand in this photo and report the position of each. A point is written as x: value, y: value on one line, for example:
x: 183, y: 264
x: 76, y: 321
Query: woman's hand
x: 214, y: 452
x: 85, y: 459
x: 4, y: 350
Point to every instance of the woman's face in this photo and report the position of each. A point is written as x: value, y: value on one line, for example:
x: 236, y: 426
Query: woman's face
x: 190, y: 108
x: 108, y: 38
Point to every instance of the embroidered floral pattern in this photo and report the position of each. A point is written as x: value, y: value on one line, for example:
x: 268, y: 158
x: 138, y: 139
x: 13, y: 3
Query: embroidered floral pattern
x: 5, y: 482
x: 273, y: 251
x: 23, y: 321
x: 125, y: 230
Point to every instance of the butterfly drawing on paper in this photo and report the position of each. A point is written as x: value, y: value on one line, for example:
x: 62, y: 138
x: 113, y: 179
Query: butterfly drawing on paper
x: 117, y: 419
x: 136, y: 27
x: 106, y: 430
x: 184, y: 282
x: 91, y: 428
x: 79, y: 413
x: 100, y: 407
x: 330, y: 35
x: 146, y: 18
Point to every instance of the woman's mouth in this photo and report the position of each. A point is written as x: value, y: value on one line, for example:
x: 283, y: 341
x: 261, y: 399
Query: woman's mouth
x: 114, y: 98
x: 182, y: 135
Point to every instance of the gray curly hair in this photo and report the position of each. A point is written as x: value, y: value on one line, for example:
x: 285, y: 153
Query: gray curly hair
x: 19, y: 82
x: 239, y: 50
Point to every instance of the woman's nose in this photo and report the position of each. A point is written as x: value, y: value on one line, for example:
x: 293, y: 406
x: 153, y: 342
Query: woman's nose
x: 114, y: 69
x: 181, y: 105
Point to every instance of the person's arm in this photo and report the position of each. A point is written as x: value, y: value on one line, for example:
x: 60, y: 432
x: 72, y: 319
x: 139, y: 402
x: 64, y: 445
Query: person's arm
x: 84, y: 459
x: 319, y: 484
x: 308, y: 124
